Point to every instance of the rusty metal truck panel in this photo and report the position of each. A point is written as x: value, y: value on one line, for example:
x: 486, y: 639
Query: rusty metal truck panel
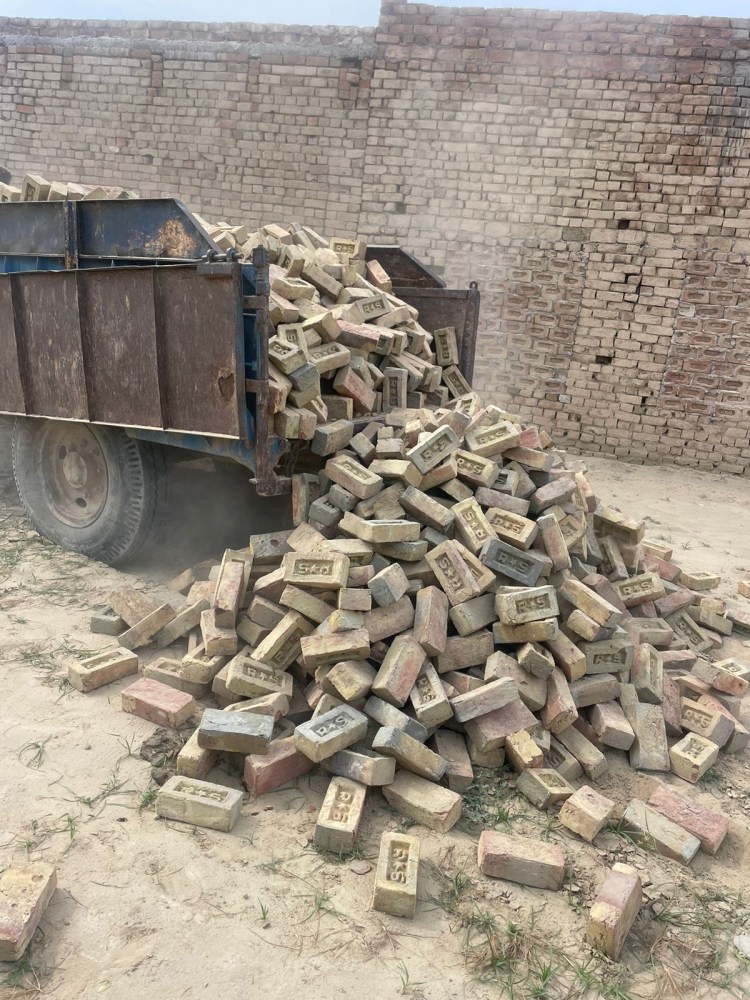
x: 143, y: 346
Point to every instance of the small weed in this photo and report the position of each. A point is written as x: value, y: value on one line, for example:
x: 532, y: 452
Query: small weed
x: 408, y: 986
x: 321, y: 903
x: 22, y: 975
x: 269, y: 867
x: 32, y: 754
x: 263, y: 910
x: 148, y: 797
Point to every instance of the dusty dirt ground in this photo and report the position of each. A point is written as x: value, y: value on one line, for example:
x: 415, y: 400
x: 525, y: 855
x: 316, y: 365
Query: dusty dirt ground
x: 147, y: 908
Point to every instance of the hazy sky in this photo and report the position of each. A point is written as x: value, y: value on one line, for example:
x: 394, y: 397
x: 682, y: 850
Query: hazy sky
x: 331, y: 11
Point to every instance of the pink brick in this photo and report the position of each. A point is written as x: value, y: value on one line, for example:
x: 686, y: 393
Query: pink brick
x: 708, y: 825
x: 281, y: 764
x: 157, y: 702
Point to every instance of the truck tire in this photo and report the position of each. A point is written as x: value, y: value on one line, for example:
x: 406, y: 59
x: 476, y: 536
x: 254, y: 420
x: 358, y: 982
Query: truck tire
x: 89, y: 489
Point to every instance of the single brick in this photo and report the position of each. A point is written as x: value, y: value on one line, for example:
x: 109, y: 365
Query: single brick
x: 559, y: 711
x: 386, y: 714
x: 431, y: 620
x: 489, y: 732
x: 102, y: 668
x: 362, y: 765
x: 522, y: 752
x: 25, y: 892
x: 106, y: 622
x: 131, y: 605
x: 235, y: 732
x: 706, y: 722
x: 409, y: 753
x: 200, y: 803
x: 318, y: 650
x: 692, y: 756
x: 480, y: 701
x: 593, y: 689
x: 217, y: 641
x: 381, y: 623
x: 433, y: 806
x: 340, y: 814
x: 186, y: 620
x: 651, y: 828
x: 459, y: 773
x: 593, y: 762
x: 145, y: 630
x: 321, y: 571
x: 543, y: 786
x: 614, y: 910
x: 520, y: 859
x: 646, y: 674
x: 610, y: 725
x: 157, y: 703
x: 193, y: 761
x: 563, y: 761
x: 586, y: 812
x: 281, y: 764
x: 388, y: 586
x: 248, y: 678
x: 173, y: 673
x: 396, y: 876
x: 428, y: 698
x: 708, y: 825
x: 335, y: 730
x: 399, y: 670
x: 530, y: 604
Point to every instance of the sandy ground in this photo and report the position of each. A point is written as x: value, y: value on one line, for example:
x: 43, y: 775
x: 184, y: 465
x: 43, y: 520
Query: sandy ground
x: 147, y: 908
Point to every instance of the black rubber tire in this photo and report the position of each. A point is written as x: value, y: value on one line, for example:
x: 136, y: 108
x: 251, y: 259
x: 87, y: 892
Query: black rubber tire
x: 133, y: 495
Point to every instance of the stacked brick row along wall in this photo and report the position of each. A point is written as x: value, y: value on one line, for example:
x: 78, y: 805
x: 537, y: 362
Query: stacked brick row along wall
x: 590, y: 171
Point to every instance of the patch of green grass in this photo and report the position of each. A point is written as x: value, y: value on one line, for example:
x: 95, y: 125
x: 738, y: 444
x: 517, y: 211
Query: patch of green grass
x: 409, y: 987
x: 487, y: 801
x: 148, y: 797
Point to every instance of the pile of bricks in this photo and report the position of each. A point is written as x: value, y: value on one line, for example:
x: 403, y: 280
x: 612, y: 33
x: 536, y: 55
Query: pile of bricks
x: 344, y: 345
x: 34, y: 187
x: 452, y: 596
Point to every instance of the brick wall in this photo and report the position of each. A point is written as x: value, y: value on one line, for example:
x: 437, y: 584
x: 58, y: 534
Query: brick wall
x: 588, y: 170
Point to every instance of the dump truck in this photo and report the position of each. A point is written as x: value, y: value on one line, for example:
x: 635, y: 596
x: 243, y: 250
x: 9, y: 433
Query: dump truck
x: 127, y: 335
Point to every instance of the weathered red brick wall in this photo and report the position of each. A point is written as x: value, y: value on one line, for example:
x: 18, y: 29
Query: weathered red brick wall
x: 590, y: 171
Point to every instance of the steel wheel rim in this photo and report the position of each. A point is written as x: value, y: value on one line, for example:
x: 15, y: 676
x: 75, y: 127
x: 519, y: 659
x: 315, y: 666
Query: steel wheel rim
x: 74, y: 473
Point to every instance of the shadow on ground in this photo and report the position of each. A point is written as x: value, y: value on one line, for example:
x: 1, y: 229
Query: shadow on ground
x: 210, y: 507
